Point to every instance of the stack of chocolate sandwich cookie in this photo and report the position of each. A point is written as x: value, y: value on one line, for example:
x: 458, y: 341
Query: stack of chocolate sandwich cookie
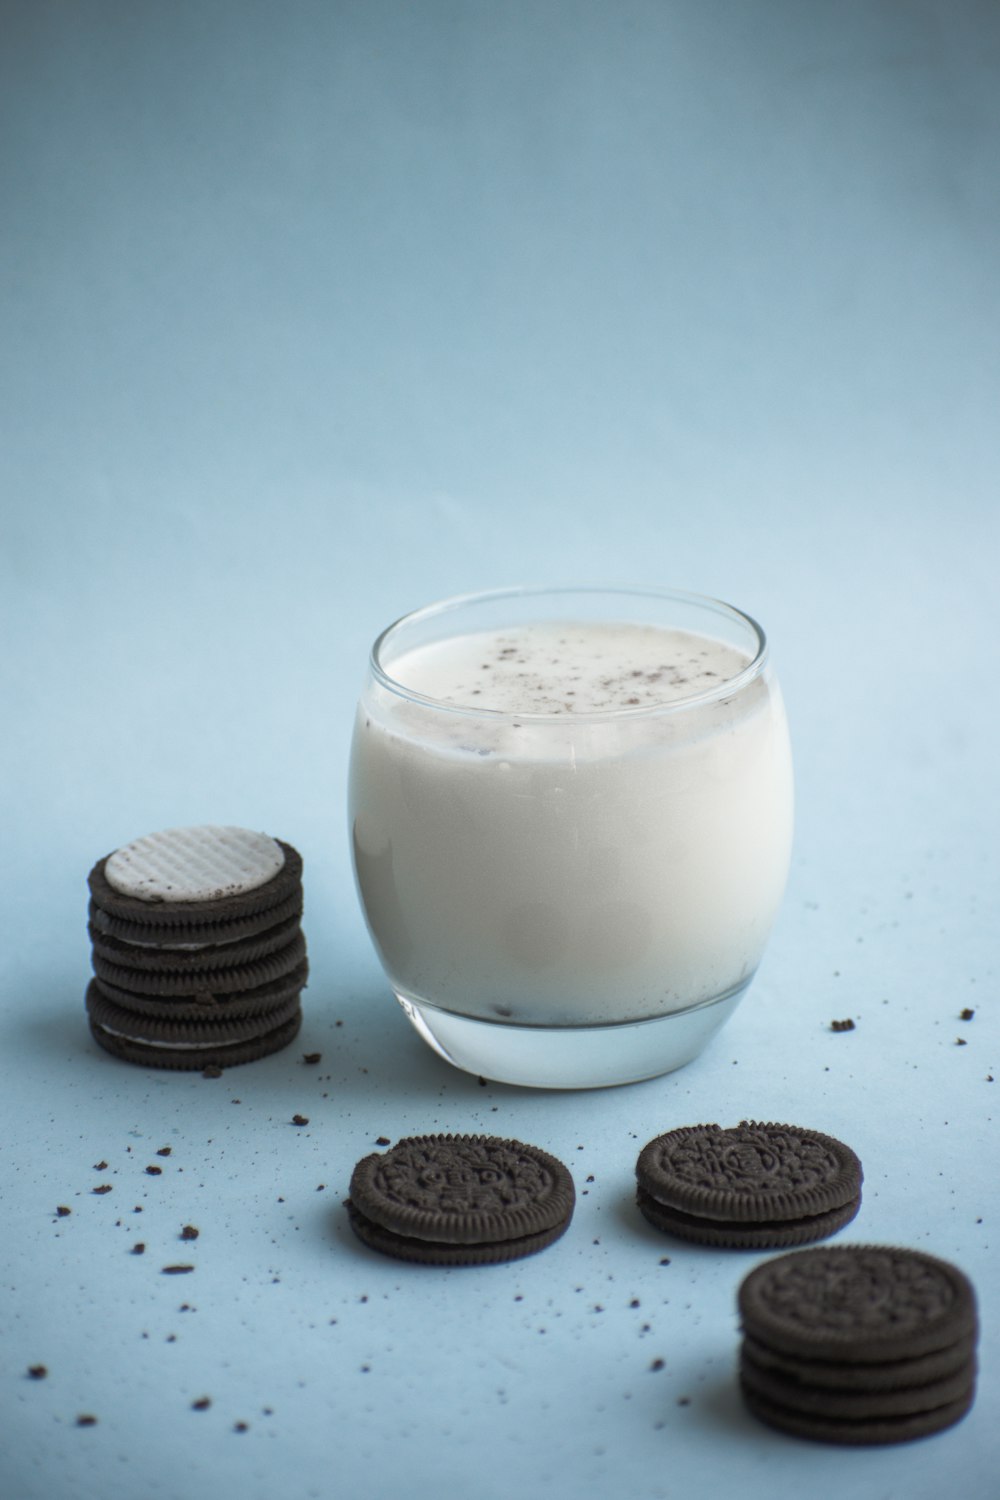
x: 197, y: 948
x: 752, y: 1186
x: 858, y: 1344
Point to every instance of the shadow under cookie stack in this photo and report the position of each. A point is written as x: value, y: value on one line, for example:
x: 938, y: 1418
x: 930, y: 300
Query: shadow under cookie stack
x: 197, y: 948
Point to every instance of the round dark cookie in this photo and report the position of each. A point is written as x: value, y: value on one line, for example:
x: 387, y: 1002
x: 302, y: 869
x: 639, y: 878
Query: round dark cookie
x: 777, y: 1235
x: 857, y: 1303
x: 154, y: 935
x: 220, y: 909
x: 254, y: 1002
x: 749, y: 1174
x: 857, y: 1433
x: 204, y: 981
x: 159, y: 1030
x: 182, y: 960
x: 213, y: 1055
x: 857, y: 1405
x: 456, y: 1193
x: 890, y: 1375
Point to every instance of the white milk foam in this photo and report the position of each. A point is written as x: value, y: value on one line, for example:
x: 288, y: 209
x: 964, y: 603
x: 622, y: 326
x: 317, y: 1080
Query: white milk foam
x: 575, y: 855
x: 564, y: 669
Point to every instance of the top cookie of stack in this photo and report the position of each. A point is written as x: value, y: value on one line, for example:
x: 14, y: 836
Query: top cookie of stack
x: 198, y: 953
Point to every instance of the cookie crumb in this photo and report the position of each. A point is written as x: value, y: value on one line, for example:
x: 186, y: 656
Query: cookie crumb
x: 104, y: 1187
x: 300, y: 1119
x: 312, y: 1058
x: 847, y: 1025
x: 86, y: 1420
x: 63, y: 1211
x: 177, y: 1270
x: 154, y: 1171
x: 189, y: 1232
x: 966, y: 1014
x: 37, y: 1372
x: 138, y: 1248
x: 202, y: 1403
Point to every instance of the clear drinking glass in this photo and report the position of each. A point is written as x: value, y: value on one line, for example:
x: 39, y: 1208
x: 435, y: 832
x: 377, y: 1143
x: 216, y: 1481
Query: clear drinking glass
x: 571, y: 819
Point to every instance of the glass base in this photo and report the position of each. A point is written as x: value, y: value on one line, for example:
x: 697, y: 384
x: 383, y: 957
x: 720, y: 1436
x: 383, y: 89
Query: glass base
x: 567, y: 1057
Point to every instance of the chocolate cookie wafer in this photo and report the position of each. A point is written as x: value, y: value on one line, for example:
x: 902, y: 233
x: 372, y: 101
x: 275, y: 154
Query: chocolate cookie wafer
x: 197, y: 947
x: 459, y: 1200
x: 753, y: 1186
x: 858, y: 1344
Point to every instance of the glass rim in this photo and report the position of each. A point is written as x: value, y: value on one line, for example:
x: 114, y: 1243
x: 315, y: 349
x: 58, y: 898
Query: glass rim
x: 727, y: 688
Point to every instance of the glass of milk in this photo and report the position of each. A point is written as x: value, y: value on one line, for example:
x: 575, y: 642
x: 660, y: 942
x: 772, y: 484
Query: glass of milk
x: 571, y: 819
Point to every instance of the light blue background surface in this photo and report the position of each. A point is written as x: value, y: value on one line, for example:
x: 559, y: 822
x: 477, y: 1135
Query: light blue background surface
x: 313, y: 313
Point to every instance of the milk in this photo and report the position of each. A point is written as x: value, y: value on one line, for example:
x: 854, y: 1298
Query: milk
x: 571, y: 824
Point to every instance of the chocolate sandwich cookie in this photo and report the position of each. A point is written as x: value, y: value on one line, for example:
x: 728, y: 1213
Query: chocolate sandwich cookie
x: 754, y: 1186
x: 162, y: 1042
x: 149, y: 934
x: 178, y: 960
x: 858, y: 1344
x: 193, y: 978
x: 197, y: 947
x: 261, y: 999
x: 458, y: 1200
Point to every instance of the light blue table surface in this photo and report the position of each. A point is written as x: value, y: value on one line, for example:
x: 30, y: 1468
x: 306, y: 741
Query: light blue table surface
x: 313, y: 313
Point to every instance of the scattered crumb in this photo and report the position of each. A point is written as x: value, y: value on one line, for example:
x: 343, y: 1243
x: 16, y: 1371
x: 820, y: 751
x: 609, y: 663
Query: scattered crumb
x: 104, y: 1187
x: 189, y: 1232
x: 658, y: 1364
x: 154, y: 1171
x: 37, y: 1372
x: 100, y: 1166
x: 241, y: 1427
x: 300, y: 1119
x: 138, y: 1248
x: 382, y: 1140
x: 312, y: 1058
x: 164, y: 1151
x: 847, y: 1025
x: 177, y: 1270
x: 202, y: 1403
x: 86, y: 1420
x: 967, y: 1014
x: 960, y: 1041
x: 63, y: 1211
